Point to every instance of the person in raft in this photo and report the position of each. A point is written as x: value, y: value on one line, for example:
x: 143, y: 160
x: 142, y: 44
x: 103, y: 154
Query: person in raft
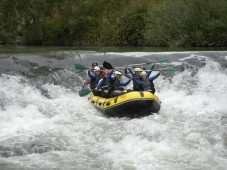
x: 137, y: 76
x: 102, y: 86
x: 139, y: 70
x: 115, y: 84
x: 93, y: 65
x: 110, y: 85
x: 146, y: 84
x: 96, y: 65
x: 92, y: 70
x: 94, y: 78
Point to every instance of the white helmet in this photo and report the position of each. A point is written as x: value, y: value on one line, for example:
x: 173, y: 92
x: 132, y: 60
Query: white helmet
x: 138, y: 69
x: 117, y: 72
x: 96, y: 69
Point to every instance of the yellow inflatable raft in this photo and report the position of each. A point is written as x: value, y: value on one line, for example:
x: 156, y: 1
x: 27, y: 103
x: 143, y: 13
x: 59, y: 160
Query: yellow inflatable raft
x: 131, y: 104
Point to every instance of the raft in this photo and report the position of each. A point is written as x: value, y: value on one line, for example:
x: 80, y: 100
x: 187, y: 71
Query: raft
x: 132, y: 104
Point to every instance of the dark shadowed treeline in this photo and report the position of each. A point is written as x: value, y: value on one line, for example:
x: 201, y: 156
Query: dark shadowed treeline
x: 114, y: 23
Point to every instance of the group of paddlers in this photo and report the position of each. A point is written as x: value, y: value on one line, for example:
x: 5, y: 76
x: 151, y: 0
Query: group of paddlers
x: 108, y: 83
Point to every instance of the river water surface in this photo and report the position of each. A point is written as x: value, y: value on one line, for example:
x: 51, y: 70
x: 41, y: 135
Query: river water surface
x: 44, y: 124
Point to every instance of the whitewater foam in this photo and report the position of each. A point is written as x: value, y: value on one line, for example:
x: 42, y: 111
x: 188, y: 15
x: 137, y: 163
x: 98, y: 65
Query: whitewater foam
x: 63, y: 131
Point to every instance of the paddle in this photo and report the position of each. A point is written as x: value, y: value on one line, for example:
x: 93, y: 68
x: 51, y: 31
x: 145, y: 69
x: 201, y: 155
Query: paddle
x: 107, y: 65
x: 80, y: 67
x: 167, y: 70
x: 84, y: 92
x: 158, y: 61
x: 148, y: 67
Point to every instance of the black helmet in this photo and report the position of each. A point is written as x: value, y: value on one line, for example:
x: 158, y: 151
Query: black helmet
x: 94, y: 64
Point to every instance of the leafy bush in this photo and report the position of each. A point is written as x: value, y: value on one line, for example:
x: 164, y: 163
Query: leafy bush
x: 187, y: 23
x: 115, y: 23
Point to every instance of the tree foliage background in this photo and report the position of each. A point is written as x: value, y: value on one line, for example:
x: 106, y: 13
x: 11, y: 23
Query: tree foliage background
x: 168, y: 23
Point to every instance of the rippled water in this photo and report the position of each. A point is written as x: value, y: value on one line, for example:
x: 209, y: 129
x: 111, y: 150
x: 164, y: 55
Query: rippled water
x: 44, y: 124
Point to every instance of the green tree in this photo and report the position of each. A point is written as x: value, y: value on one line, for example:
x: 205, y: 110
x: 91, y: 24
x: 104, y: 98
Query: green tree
x: 187, y: 23
x: 8, y: 17
x: 130, y: 26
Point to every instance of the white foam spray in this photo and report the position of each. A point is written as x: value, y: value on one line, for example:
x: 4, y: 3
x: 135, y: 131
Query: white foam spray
x: 63, y: 131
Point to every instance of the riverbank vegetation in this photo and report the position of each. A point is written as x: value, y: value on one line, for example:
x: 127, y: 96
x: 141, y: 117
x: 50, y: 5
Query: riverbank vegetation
x: 165, y: 23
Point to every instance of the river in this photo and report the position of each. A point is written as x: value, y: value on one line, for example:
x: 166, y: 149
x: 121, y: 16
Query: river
x: 44, y: 124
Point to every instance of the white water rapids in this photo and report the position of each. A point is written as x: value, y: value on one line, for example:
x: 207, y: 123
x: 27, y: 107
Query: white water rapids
x: 60, y: 130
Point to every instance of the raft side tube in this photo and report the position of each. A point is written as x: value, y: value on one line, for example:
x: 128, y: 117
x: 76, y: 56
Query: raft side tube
x: 139, y: 103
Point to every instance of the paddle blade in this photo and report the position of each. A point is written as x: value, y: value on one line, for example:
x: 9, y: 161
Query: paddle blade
x: 162, y: 60
x: 169, y: 70
x: 80, y: 67
x: 146, y: 67
x: 84, y: 92
x: 107, y: 65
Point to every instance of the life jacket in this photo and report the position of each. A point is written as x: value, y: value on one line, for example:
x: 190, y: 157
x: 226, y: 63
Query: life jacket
x: 117, y: 84
x: 114, y: 85
x: 105, y: 83
x: 137, y: 87
x: 147, y: 85
x: 94, y: 81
